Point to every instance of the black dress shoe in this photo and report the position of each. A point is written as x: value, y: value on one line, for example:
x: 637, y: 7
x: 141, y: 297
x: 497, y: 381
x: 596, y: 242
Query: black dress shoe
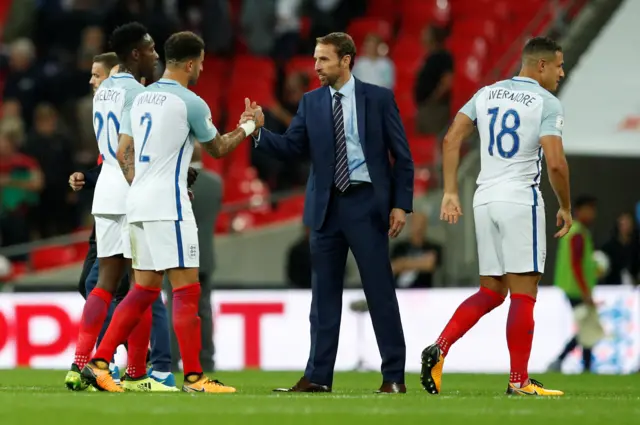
x: 392, y: 388
x: 305, y: 386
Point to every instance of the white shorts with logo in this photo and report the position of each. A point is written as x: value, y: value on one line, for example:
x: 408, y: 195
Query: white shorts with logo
x: 511, y: 238
x: 112, y: 235
x: 164, y: 245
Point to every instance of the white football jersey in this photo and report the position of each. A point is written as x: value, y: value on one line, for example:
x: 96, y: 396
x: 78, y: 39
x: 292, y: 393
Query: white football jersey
x: 511, y: 117
x: 165, y: 120
x: 112, y: 99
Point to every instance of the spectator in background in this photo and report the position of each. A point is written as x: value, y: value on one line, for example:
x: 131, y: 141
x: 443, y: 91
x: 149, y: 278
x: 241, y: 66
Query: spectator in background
x: 433, y: 83
x: 11, y: 108
x: 280, y: 176
x: 23, y: 81
x: 623, y: 250
x: 299, y: 263
x: 53, y: 152
x: 373, y: 66
x: 287, y: 30
x: 258, y: 20
x: 576, y: 270
x: 218, y: 31
x: 414, y: 261
x: 20, y: 182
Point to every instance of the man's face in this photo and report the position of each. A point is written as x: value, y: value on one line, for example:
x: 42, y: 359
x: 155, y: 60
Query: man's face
x: 328, y: 66
x: 552, y: 71
x: 98, y: 74
x: 148, y: 58
x: 194, y: 68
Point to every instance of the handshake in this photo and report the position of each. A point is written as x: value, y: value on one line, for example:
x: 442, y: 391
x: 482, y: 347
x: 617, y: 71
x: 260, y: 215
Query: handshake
x: 252, y: 112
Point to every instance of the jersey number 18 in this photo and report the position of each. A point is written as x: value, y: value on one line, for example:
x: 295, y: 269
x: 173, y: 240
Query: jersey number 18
x: 504, y: 130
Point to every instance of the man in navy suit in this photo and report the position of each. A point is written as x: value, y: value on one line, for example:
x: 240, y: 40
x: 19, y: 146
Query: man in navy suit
x: 356, y: 199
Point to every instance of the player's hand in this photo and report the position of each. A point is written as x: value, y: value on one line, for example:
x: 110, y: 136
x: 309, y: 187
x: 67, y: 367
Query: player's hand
x: 252, y: 111
x: 76, y: 181
x: 564, y: 219
x: 588, y: 300
x: 190, y: 193
x: 450, y: 209
x: 397, y: 219
x: 192, y: 176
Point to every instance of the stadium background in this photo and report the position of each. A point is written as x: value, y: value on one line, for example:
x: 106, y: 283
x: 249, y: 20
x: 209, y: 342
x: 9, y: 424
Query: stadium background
x: 261, y: 49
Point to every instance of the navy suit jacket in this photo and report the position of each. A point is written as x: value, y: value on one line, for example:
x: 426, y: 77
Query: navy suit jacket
x: 381, y: 134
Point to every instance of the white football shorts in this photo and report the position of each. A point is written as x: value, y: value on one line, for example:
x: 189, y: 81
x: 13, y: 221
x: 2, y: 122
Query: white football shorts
x: 112, y: 235
x: 164, y: 245
x: 510, y: 237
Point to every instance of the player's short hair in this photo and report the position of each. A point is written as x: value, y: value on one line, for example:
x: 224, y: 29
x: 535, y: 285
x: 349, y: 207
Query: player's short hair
x: 126, y: 38
x: 540, y: 46
x: 108, y: 60
x: 183, y: 46
x: 343, y: 43
x: 585, y: 201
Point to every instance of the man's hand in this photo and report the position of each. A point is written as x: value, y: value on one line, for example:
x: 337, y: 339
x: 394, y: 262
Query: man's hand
x: 563, y: 216
x: 76, y: 181
x: 252, y: 112
x: 192, y: 176
x: 450, y: 209
x: 397, y: 219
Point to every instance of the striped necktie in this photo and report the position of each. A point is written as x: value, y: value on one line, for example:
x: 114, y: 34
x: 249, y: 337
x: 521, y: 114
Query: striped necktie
x: 341, y: 174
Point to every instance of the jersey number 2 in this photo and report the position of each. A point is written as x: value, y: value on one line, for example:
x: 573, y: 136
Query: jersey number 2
x: 504, y: 130
x: 145, y: 117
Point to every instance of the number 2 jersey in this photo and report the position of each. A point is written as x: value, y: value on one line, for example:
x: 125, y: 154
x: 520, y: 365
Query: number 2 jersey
x: 511, y: 117
x: 165, y: 120
x: 111, y: 101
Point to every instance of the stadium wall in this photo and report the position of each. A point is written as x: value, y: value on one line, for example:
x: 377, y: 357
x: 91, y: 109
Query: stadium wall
x: 269, y: 330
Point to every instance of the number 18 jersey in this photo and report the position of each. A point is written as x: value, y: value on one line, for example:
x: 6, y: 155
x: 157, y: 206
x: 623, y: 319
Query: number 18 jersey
x: 165, y: 121
x: 511, y: 117
x: 111, y: 101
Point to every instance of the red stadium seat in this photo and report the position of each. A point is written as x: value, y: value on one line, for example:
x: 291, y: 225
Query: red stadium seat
x: 423, y: 149
x: 52, y: 256
x: 383, y: 9
x: 359, y: 28
x: 253, y: 67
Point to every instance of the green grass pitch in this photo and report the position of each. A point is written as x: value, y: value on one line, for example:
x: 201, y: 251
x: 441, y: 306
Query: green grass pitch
x: 39, y: 397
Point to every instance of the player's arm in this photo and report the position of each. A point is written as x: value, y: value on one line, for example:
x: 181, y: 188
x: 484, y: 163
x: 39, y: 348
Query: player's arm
x: 459, y: 131
x: 126, y: 157
x: 126, y: 149
x: 551, y: 142
x: 201, y: 124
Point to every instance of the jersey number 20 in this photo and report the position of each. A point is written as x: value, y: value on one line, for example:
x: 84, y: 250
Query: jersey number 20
x: 146, y: 117
x: 504, y: 130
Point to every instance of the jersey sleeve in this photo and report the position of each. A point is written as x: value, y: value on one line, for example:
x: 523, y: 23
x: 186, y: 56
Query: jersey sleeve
x: 129, y: 96
x: 469, y: 109
x: 552, y: 118
x: 200, y: 121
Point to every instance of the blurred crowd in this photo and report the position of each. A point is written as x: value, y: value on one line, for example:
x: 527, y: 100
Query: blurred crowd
x: 46, y: 130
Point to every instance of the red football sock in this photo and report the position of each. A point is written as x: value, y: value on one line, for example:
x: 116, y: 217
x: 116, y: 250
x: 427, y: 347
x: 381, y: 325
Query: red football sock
x: 520, y: 326
x: 186, y: 324
x: 467, y: 315
x: 93, y: 316
x: 125, y: 318
x: 137, y: 346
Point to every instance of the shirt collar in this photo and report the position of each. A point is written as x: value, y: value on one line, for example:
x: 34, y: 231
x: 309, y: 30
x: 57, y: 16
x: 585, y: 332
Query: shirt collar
x: 526, y: 80
x: 346, y: 90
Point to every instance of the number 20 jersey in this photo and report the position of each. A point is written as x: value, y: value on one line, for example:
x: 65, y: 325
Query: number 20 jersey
x: 112, y: 99
x: 511, y: 117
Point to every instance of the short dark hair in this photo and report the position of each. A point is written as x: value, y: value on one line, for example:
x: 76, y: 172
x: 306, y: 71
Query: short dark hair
x: 108, y: 60
x: 126, y: 38
x: 183, y: 46
x: 585, y: 201
x: 343, y: 43
x: 538, y: 46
